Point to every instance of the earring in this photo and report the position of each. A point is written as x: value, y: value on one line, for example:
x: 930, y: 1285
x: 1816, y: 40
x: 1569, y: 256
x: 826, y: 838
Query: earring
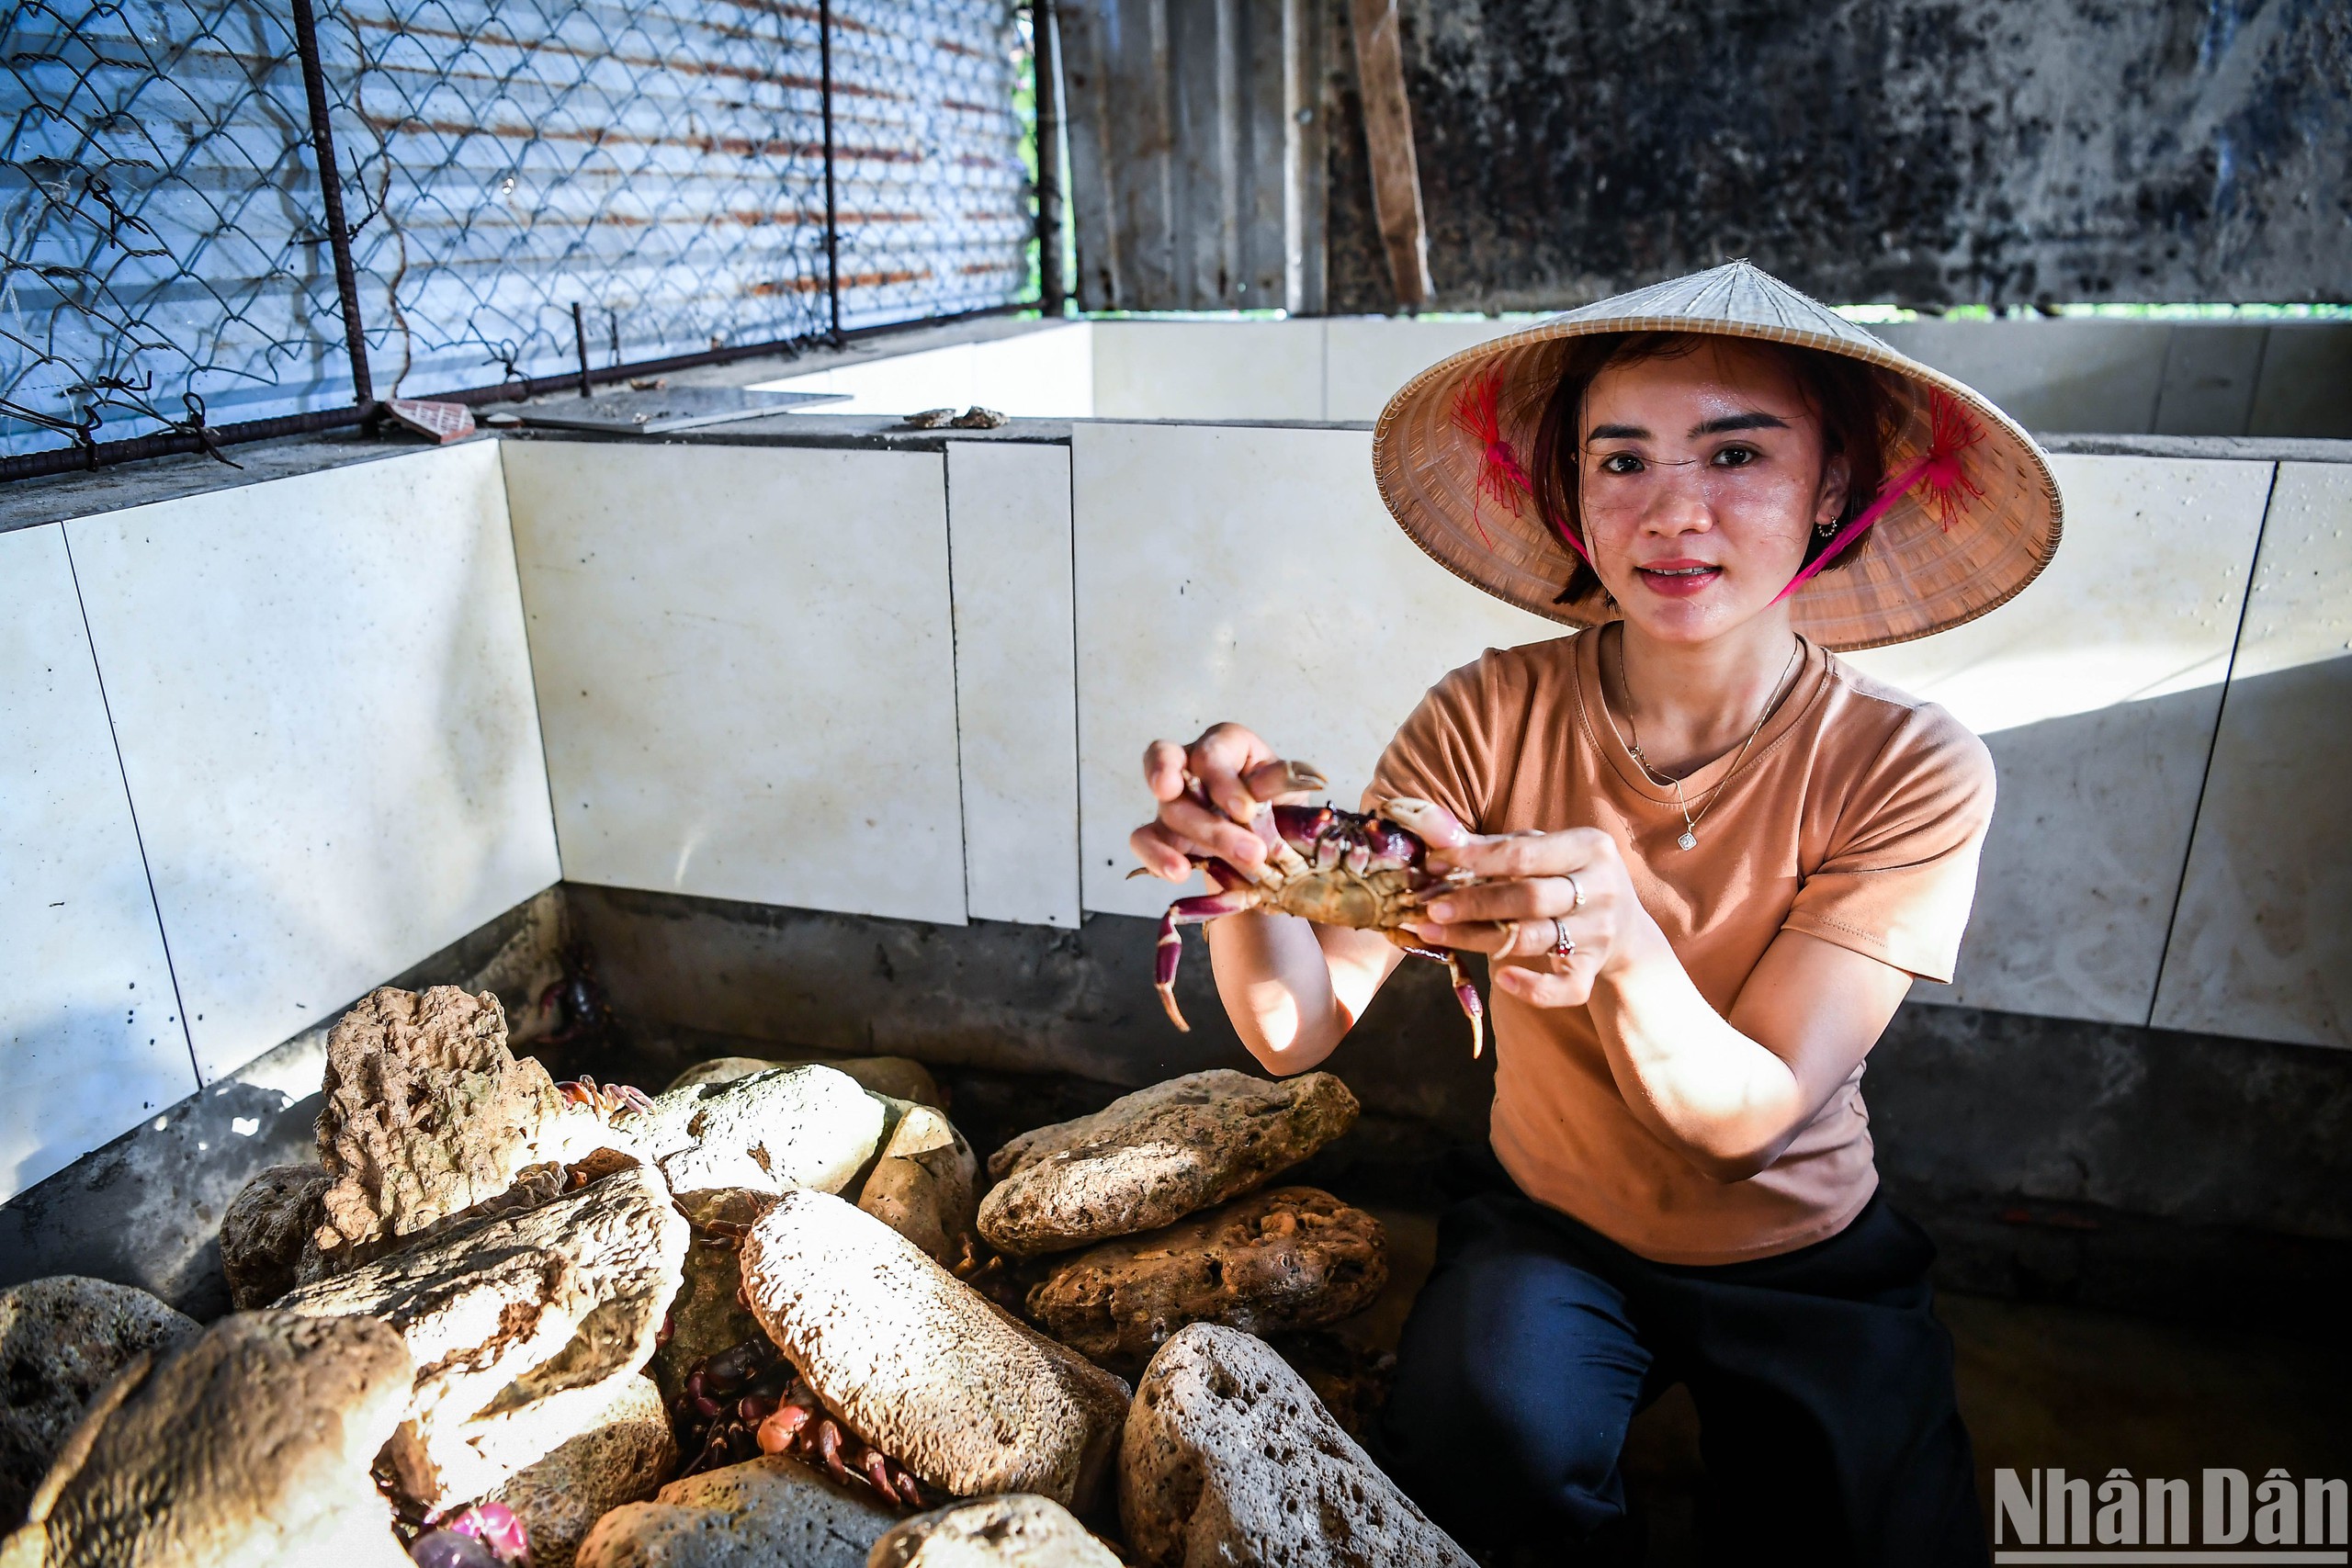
x: 1824, y: 529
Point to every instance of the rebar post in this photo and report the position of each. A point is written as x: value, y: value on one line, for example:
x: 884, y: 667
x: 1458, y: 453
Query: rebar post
x: 833, y: 205
x: 346, y: 278
x: 1045, y: 57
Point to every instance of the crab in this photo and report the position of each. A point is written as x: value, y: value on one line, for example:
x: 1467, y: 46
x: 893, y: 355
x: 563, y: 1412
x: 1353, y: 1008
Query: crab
x: 607, y: 1100
x: 1335, y: 867
x: 746, y: 1400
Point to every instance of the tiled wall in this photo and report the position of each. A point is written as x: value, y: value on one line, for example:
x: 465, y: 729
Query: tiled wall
x: 277, y: 742
x: 264, y: 747
x: 2106, y: 375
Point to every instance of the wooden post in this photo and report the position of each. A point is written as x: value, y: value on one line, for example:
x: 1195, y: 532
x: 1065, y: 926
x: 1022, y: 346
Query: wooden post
x: 1388, y: 136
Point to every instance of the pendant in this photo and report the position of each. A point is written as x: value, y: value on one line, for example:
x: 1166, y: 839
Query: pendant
x: 1688, y: 840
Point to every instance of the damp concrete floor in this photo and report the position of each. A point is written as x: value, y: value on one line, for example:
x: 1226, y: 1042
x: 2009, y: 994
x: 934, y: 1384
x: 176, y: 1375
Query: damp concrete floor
x: 2041, y: 1386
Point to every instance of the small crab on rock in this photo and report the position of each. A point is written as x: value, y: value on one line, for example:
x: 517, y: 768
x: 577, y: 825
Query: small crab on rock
x: 1337, y: 868
x: 607, y: 1100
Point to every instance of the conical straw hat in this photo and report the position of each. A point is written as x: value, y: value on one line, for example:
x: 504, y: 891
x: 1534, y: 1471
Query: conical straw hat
x: 1929, y: 566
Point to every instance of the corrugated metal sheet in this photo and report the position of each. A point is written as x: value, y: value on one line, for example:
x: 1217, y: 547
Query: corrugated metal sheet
x: 660, y: 162
x: 1195, y: 153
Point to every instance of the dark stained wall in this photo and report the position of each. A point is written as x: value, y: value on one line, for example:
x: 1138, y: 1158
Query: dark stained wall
x: 1923, y: 152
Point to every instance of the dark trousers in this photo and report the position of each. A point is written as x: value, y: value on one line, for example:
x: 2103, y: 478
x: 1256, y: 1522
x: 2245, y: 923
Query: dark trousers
x: 1823, y: 1380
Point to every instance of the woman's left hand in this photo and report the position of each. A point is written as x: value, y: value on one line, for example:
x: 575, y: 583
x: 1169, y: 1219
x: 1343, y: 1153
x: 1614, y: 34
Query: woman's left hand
x: 1539, y: 892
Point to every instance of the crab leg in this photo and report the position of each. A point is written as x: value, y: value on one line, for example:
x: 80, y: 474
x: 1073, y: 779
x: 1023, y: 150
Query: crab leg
x: 1191, y: 912
x: 1464, y: 992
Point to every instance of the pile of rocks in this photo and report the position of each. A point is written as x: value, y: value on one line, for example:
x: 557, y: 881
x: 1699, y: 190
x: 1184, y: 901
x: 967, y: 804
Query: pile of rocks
x: 471, y: 1332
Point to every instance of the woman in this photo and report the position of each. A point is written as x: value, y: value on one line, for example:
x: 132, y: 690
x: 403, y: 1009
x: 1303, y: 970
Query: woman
x: 1710, y: 860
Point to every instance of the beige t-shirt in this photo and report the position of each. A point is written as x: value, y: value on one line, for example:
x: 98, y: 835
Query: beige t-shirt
x: 1856, y: 818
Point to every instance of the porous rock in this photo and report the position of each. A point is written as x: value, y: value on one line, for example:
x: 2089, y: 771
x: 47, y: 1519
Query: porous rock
x: 427, y: 1114
x: 1288, y: 1258
x: 524, y: 1328
x: 621, y: 1459
x: 771, y: 1512
x: 1016, y: 1529
x: 900, y: 1078
x: 269, y: 1222
x: 925, y: 1185
x: 721, y: 1145
x: 61, y: 1340
x: 1151, y: 1157
x: 921, y: 1365
x: 1229, y: 1457
x: 250, y: 1444
x: 706, y: 1315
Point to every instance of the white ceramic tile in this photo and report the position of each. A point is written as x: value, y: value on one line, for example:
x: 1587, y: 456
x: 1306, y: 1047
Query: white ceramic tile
x: 746, y: 670
x: 2263, y: 945
x: 1251, y: 575
x: 323, y: 699
x: 1016, y: 680
x: 1367, y: 358
x: 2096, y: 689
x: 90, y: 1036
x: 1209, y: 369
x: 1045, y: 373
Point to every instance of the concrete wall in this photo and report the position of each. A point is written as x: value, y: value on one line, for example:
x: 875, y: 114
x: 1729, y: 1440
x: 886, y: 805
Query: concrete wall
x: 284, y: 739
x: 2068, y: 375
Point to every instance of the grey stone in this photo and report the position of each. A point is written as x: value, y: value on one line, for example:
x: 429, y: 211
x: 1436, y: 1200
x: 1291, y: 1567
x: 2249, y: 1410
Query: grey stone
x: 60, y: 1340
x: 268, y: 1225
x: 925, y: 1184
x: 923, y: 1367
x: 1287, y: 1258
x: 706, y: 1315
x: 719, y: 1144
x: 899, y: 1077
x: 1014, y: 1530
x: 249, y: 1445
x: 1151, y: 1157
x: 771, y: 1512
x: 621, y: 1459
x: 524, y: 1327
x: 1229, y: 1457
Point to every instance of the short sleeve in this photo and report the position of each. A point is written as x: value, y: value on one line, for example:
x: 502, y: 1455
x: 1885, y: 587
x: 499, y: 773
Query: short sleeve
x: 1444, y: 751
x: 1900, y: 872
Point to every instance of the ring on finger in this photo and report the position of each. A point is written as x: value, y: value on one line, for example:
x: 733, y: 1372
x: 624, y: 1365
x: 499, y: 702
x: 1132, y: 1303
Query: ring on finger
x: 1576, y: 892
x: 1563, y: 944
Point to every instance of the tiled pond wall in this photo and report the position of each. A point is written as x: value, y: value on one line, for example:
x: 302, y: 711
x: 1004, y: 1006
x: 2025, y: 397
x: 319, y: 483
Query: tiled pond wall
x: 815, y: 690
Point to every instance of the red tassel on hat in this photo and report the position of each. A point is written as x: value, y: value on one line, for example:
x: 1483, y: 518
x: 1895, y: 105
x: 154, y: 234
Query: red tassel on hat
x: 1953, y: 430
x: 1502, y: 478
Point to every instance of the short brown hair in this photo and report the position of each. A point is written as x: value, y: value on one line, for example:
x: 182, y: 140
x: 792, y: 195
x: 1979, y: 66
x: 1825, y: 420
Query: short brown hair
x: 1857, y: 409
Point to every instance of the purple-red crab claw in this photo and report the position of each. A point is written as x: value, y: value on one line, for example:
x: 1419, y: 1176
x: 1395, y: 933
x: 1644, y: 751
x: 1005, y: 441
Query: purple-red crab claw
x: 606, y: 1101
x: 1339, y: 868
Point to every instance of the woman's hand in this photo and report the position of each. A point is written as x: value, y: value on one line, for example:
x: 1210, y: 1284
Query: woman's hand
x: 1537, y: 888
x: 1207, y: 791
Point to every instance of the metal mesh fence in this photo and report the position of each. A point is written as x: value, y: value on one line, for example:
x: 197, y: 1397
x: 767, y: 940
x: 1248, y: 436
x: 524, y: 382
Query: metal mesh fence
x: 660, y: 165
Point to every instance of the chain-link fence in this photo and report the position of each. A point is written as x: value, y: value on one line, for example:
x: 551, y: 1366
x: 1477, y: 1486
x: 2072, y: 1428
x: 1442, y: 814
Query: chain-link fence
x: 650, y: 177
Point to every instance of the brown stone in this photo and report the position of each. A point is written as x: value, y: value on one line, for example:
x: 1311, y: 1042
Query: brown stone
x: 525, y: 1328
x: 771, y: 1512
x: 622, y: 1458
x: 1287, y: 1258
x: 269, y: 1225
x: 1015, y: 1529
x: 706, y: 1315
x: 427, y: 1114
x: 922, y: 1365
x: 1229, y: 1457
x: 925, y: 1185
x: 1151, y: 1157
x: 60, y: 1340
x: 900, y: 1078
x: 248, y: 1445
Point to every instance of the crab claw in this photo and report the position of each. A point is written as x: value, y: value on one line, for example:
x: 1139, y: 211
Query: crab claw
x: 1426, y: 820
x: 828, y: 1448
x: 1284, y: 777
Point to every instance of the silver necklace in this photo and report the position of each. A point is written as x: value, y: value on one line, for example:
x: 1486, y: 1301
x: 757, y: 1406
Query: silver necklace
x: 1689, y: 836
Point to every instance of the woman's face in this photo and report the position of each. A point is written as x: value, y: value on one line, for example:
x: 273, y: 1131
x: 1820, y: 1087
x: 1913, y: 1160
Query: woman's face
x: 1701, y: 477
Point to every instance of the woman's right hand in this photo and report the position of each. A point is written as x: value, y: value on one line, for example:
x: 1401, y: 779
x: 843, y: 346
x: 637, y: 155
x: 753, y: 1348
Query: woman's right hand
x: 1207, y: 791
